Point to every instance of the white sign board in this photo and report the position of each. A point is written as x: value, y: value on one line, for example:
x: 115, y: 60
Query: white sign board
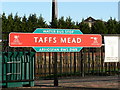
x: 112, y: 48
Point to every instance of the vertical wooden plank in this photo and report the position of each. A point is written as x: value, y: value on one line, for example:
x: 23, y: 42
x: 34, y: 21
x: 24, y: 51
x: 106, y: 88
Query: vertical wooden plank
x: 99, y: 61
x: 41, y: 64
x: 49, y: 63
x: 39, y: 59
x: 65, y: 60
x: 71, y: 63
x: 74, y: 62
x: 102, y: 60
x: 52, y: 63
x: 109, y: 70
x: 55, y: 70
x: 82, y: 62
x: 45, y: 74
x: 78, y: 63
x: 93, y: 60
x: 106, y: 68
x: 61, y: 64
x: 88, y: 61
x: 114, y: 67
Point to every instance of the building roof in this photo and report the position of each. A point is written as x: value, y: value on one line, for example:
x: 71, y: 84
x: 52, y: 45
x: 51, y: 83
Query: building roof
x: 89, y: 19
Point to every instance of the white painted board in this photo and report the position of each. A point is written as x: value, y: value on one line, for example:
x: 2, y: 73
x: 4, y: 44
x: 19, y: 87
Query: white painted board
x: 112, y: 48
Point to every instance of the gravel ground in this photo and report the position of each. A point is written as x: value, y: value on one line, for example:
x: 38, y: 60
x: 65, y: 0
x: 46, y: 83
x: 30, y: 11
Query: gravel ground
x: 78, y: 83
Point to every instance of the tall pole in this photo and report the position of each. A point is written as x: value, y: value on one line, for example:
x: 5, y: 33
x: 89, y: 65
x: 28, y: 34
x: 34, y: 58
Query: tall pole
x: 54, y: 10
x: 54, y: 17
x: 119, y: 11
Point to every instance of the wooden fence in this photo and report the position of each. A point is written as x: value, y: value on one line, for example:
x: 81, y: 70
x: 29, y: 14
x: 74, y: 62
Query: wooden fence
x: 89, y: 61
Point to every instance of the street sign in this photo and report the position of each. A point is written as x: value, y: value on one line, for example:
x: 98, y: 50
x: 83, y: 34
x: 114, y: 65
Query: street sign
x: 57, y: 31
x: 54, y: 40
x: 57, y: 49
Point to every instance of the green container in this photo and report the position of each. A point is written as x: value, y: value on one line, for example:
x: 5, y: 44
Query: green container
x: 18, y: 69
x: 0, y: 69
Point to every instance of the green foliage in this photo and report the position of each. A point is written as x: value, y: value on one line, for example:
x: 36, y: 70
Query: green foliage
x: 99, y: 27
x: 64, y: 23
x: 4, y: 22
x: 41, y: 23
x: 9, y: 23
x: 118, y: 28
x: 112, y: 26
x: 69, y: 23
x: 54, y: 23
x: 85, y: 28
x: 61, y: 23
x: 15, y: 23
x: 24, y: 26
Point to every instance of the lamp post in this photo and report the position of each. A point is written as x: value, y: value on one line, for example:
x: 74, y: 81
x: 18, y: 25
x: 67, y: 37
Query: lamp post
x: 54, y: 10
